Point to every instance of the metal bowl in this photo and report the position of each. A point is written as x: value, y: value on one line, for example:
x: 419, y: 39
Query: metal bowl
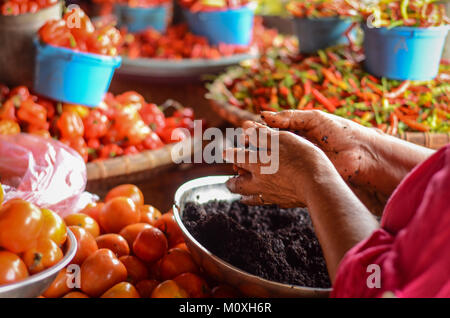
x: 201, y: 191
x: 35, y: 285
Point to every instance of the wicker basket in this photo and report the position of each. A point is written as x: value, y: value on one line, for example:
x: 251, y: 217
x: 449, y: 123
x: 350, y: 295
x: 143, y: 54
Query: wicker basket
x: 103, y: 175
x: 238, y: 116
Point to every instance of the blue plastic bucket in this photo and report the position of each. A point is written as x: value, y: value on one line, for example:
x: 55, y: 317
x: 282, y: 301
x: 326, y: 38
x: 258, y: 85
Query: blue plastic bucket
x: 137, y: 19
x: 73, y: 77
x: 319, y: 33
x: 227, y: 26
x: 404, y: 53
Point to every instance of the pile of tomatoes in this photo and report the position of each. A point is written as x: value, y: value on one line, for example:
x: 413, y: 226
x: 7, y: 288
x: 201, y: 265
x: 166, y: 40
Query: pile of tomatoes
x: 127, y: 249
x: 31, y: 240
x: 208, y: 5
x: 178, y: 43
x: 76, y: 32
x: 122, y: 125
x: 17, y: 7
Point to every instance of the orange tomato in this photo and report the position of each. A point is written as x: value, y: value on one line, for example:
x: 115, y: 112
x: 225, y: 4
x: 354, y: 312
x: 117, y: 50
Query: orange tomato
x: 150, y: 245
x: 114, y: 242
x: 60, y: 286
x: 93, y: 210
x: 118, y: 213
x: 149, y: 214
x: 126, y: 190
x: 101, y: 271
x: 84, y: 221
x: 76, y: 295
x: 130, y: 232
x: 136, y: 269
x: 20, y: 225
x: 224, y: 291
x: 194, y: 285
x: 176, y: 262
x: 53, y: 227
x: 85, y: 242
x: 45, y: 254
x: 170, y: 228
x: 169, y: 289
x: 146, y: 287
x: 122, y: 290
x: 12, y: 268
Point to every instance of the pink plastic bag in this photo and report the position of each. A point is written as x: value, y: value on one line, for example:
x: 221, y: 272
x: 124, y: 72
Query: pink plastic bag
x: 44, y: 172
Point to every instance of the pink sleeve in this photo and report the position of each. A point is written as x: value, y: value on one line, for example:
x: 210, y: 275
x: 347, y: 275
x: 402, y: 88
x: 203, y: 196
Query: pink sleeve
x: 415, y: 262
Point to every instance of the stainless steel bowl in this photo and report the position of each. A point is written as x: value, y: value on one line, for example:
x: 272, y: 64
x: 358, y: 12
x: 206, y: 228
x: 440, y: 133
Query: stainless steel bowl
x: 35, y: 285
x: 203, y: 190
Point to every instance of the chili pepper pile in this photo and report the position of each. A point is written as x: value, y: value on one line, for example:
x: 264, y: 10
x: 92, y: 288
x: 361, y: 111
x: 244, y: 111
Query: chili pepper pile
x: 178, y: 43
x: 76, y: 31
x: 394, y: 13
x: 333, y: 80
x: 320, y: 8
x: 121, y: 125
x: 212, y: 5
x: 17, y: 7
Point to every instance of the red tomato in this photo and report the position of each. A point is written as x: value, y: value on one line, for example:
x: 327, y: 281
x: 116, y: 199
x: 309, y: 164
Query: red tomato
x: 122, y: 290
x: 115, y: 243
x: 176, y: 262
x: 118, y: 213
x: 20, y: 225
x: 12, y: 268
x: 169, y: 289
x: 170, y: 228
x: 42, y: 256
x: 129, y: 191
x: 130, y: 232
x: 150, y: 245
x: 85, y: 242
x: 101, y: 271
x: 194, y: 285
x: 136, y: 269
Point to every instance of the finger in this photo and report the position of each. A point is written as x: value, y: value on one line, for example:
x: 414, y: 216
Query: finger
x: 258, y: 135
x: 252, y: 200
x: 242, y: 158
x: 292, y: 119
x: 241, y: 185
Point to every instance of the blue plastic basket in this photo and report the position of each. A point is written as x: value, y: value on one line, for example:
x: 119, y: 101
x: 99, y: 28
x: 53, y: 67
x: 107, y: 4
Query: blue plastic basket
x: 319, y: 33
x: 227, y: 26
x: 404, y: 53
x: 73, y: 77
x: 137, y: 19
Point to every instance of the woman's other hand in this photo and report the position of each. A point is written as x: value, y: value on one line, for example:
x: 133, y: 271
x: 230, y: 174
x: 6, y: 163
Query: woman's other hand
x: 370, y: 162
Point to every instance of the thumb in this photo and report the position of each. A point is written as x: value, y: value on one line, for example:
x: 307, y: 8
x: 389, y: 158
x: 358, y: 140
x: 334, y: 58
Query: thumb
x: 292, y: 119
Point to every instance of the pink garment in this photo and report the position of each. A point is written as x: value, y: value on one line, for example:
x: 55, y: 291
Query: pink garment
x: 412, y: 247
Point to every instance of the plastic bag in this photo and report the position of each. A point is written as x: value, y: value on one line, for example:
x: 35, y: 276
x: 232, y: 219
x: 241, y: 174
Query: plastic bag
x: 44, y: 172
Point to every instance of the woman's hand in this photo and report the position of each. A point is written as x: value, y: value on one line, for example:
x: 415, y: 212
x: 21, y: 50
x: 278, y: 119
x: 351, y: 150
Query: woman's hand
x: 370, y: 162
x: 301, y: 166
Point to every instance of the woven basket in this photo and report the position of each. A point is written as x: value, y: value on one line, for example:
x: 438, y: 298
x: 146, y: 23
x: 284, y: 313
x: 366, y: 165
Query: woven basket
x: 103, y: 175
x: 238, y: 116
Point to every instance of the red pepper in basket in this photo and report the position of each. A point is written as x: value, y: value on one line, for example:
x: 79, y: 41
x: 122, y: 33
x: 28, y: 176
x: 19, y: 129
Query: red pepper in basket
x: 70, y: 125
x: 33, y: 114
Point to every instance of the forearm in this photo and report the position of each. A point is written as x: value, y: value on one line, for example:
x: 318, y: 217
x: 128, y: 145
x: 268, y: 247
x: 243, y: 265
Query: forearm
x: 392, y: 159
x: 340, y: 220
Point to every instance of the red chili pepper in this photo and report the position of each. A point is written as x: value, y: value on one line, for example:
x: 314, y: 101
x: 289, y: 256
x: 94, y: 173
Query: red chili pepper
x: 70, y: 125
x: 323, y: 100
x: 398, y: 91
x: 33, y: 114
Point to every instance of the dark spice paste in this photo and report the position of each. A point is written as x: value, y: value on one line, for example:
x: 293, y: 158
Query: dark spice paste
x: 276, y: 244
